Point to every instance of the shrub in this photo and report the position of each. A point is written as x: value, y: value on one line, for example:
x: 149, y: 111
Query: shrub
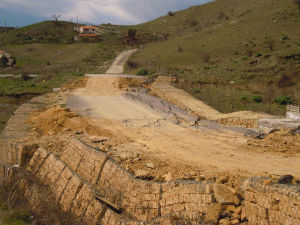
x: 131, y: 33
x: 170, y: 13
x: 257, y: 98
x: 193, y: 23
x: 249, y: 52
x: 206, y: 57
x: 243, y: 98
x: 132, y: 64
x: 223, y: 15
x: 25, y: 76
x: 245, y: 58
x: 166, y: 36
x: 197, y: 90
x: 180, y: 49
x: 258, y: 55
x: 270, y: 44
x: 284, y: 37
x: 283, y: 100
x: 142, y: 72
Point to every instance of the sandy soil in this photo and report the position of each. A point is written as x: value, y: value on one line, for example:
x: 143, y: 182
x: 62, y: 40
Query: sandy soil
x: 142, y: 129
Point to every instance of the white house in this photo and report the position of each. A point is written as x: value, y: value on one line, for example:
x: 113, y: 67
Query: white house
x: 87, y: 29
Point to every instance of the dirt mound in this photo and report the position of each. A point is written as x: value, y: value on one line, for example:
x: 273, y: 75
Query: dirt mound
x: 282, y: 141
x: 56, y: 119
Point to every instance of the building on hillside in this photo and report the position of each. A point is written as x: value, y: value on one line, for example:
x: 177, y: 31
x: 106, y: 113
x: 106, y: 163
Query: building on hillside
x: 88, y: 37
x: 87, y: 29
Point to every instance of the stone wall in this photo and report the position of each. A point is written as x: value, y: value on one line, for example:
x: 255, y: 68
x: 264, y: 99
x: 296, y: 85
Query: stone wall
x: 270, y: 204
x: 91, y: 186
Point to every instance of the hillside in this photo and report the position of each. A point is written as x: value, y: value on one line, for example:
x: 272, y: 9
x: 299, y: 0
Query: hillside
x: 232, y: 54
x: 44, y: 32
x: 41, y: 49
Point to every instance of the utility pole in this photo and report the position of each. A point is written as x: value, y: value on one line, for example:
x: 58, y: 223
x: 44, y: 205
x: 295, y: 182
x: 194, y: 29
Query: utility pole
x: 5, y: 26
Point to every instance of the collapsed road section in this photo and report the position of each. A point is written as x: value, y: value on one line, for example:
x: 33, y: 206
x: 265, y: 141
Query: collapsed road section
x: 129, y: 150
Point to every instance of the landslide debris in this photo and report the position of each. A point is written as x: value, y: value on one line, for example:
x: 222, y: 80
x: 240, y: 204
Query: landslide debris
x: 282, y: 141
x: 57, y: 119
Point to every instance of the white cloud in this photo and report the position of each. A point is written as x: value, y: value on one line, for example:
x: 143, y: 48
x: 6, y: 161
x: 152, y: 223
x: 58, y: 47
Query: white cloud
x: 98, y: 11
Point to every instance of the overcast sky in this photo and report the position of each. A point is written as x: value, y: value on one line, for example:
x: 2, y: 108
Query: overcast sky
x: 24, y: 12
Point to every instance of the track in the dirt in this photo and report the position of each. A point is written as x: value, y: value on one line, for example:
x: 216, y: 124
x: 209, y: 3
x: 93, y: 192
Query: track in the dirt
x: 169, y: 132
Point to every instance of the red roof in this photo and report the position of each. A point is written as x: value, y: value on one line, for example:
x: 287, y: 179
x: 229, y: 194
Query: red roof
x: 89, y: 27
x: 88, y: 35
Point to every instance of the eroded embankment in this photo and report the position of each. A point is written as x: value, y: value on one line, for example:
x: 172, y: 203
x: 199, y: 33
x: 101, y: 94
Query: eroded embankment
x: 90, y: 185
x: 93, y: 188
x: 162, y: 88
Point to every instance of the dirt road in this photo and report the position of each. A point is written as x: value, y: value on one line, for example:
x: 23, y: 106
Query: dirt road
x: 118, y: 64
x: 167, y: 132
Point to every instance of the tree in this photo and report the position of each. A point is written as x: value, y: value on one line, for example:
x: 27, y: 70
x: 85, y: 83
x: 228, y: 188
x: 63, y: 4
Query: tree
x: 131, y: 33
x: 55, y: 17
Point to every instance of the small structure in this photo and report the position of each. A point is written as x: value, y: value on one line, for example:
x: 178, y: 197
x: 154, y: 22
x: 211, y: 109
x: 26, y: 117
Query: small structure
x: 293, y: 112
x: 87, y: 33
x: 292, y: 121
x: 87, y: 29
x: 88, y: 37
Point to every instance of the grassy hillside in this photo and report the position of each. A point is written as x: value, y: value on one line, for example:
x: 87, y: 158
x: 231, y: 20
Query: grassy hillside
x: 229, y: 53
x: 55, y: 62
x: 44, y: 32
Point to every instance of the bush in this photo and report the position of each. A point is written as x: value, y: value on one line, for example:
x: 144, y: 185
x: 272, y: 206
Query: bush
x: 170, y: 13
x: 257, y: 98
x: 25, y: 76
x: 131, y: 33
x: 206, y: 57
x: 193, y: 23
x: 283, y: 100
x: 249, y: 52
x: 258, y: 55
x: 132, y: 64
x: 180, y: 49
x: 243, y: 98
x: 197, y: 90
x: 271, y: 44
x: 223, y: 15
x: 142, y: 72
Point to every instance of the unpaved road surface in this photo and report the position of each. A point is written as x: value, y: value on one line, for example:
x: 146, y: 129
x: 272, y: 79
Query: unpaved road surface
x: 167, y: 132
x: 118, y: 64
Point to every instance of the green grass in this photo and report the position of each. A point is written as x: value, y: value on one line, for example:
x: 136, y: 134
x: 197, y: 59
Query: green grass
x: 44, y: 32
x: 257, y: 47
x: 54, y: 63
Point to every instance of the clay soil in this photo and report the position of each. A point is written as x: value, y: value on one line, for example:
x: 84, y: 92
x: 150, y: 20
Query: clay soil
x: 115, y: 114
x: 140, y: 138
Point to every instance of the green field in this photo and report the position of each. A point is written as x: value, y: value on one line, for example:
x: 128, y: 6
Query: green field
x: 54, y: 63
x: 227, y: 51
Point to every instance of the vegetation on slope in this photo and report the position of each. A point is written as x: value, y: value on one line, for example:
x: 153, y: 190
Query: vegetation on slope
x: 228, y: 52
x: 44, y: 32
x: 55, y: 62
